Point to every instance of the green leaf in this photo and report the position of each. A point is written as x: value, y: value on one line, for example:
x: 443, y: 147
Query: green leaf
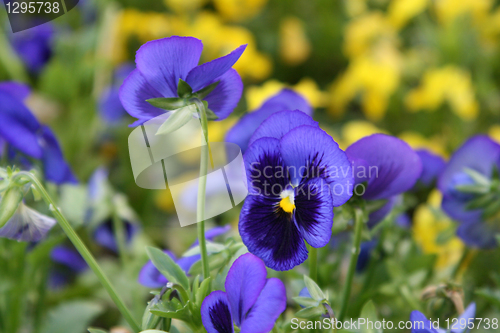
x: 311, y: 312
x: 172, y: 103
x: 314, y: 290
x: 203, y: 291
x: 215, y: 261
x: 477, y: 177
x: 306, y: 301
x: 176, y: 120
x: 211, y: 115
x: 168, y: 267
x: 211, y: 248
x: 207, y: 90
x: 369, y: 312
x: 165, y: 311
x: 76, y: 314
x: 184, y: 89
x: 96, y: 330
x: 153, y: 331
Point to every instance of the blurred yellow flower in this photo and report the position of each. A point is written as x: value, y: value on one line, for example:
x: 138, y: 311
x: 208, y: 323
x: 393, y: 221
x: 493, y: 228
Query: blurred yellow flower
x: 220, y: 39
x: 449, y: 10
x: 450, y: 84
x: 434, y: 232
x: 239, y: 10
x: 355, y: 7
x: 295, y: 47
x: 363, y: 31
x: 144, y: 26
x: 375, y: 76
x: 357, y: 129
x: 182, y: 6
x: 494, y: 133
x: 402, y: 11
x: 418, y: 141
x: 256, y: 95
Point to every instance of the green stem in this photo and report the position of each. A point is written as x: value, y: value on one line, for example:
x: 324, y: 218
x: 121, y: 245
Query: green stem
x: 200, y: 211
x: 313, y: 263
x: 82, y: 249
x: 358, y: 228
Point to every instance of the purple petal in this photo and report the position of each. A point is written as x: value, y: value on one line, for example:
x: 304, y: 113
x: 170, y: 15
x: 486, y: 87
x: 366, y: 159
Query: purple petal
x: 34, y: 46
x: 185, y: 263
x: 420, y: 324
x: 286, y: 99
x: 271, y: 236
x: 244, y: 282
x: 201, y: 76
x: 214, y: 232
x: 378, y: 215
x: 309, y: 152
x: 432, y: 166
x: 314, y: 211
x: 479, y: 153
x: 455, y: 207
x: 393, y: 167
x: 478, y: 234
x: 269, y: 306
x: 468, y: 316
x: 110, y: 106
x: 264, y: 168
x: 19, y: 91
x: 164, y: 61
x: 104, y: 234
x: 55, y: 167
x: 225, y: 97
x: 365, y: 253
x: 18, y: 126
x: 216, y: 313
x: 280, y: 123
x: 68, y: 257
x: 133, y: 95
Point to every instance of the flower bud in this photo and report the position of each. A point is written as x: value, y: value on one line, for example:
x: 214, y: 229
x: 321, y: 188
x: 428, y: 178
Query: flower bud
x: 149, y: 320
x: 9, y: 203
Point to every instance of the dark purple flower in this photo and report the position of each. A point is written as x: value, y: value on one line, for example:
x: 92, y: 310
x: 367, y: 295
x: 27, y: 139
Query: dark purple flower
x: 432, y: 166
x: 34, y: 46
x: 387, y: 164
x: 481, y: 155
x: 160, y: 65
x: 251, y: 301
x: 151, y: 277
x: 296, y: 175
x: 104, y: 234
x: 420, y: 323
x: 22, y: 132
x: 286, y: 99
x: 69, y: 263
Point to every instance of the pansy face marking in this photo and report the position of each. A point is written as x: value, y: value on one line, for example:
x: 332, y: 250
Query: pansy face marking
x: 295, y: 178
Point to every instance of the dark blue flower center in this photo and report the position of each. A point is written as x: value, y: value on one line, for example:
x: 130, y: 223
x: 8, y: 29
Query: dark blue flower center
x: 221, y: 317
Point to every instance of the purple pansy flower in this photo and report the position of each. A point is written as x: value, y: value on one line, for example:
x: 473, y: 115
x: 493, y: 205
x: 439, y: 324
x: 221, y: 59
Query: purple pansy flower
x: 69, y: 263
x: 24, y: 134
x: 432, y: 167
x: 151, y: 277
x: 243, y: 130
x: 110, y: 106
x: 104, y: 234
x: 296, y: 175
x: 388, y: 166
x: 420, y: 323
x: 251, y: 301
x: 34, y: 46
x: 162, y: 63
x: 479, y: 154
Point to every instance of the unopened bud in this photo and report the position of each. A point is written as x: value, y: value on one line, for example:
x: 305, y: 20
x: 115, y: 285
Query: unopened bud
x: 9, y: 203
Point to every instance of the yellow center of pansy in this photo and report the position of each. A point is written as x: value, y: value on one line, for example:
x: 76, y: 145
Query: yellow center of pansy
x: 287, y: 202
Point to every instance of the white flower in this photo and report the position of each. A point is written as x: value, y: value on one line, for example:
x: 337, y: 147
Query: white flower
x: 27, y: 225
